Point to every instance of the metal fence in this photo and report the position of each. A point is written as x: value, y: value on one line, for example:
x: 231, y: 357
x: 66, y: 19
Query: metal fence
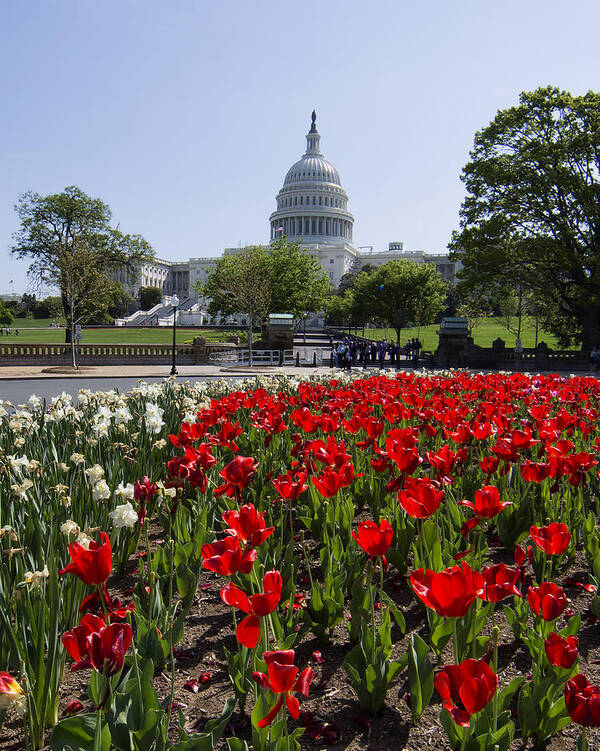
x: 241, y: 356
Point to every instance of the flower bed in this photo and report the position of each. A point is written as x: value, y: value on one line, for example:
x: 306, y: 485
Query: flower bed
x: 362, y: 563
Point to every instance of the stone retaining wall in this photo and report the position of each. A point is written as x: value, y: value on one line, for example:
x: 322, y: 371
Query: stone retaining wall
x: 14, y: 353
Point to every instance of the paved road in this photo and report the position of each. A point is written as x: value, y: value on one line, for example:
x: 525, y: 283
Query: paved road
x: 18, y: 391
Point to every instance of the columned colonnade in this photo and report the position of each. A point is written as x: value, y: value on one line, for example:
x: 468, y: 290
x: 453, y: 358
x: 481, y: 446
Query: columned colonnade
x: 311, y: 225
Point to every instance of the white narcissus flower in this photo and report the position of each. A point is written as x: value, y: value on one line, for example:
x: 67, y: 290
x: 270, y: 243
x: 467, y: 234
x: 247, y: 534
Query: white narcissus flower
x: 77, y: 458
x: 21, y: 490
x: 101, y: 429
x: 36, y: 578
x: 84, y: 540
x: 95, y: 473
x: 69, y: 528
x: 122, y: 414
x: 124, y: 516
x: 18, y: 463
x: 101, y: 491
x: 124, y: 492
x: 154, y: 423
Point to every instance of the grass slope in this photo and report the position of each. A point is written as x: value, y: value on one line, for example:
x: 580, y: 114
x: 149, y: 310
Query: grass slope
x: 484, y: 334
x: 40, y: 332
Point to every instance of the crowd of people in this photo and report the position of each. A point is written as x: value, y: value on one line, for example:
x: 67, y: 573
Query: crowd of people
x: 354, y: 351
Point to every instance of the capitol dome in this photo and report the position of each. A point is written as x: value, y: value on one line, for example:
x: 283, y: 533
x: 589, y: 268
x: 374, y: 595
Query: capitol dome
x: 312, y: 205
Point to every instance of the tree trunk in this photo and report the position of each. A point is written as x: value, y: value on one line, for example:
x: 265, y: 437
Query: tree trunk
x: 72, y: 330
x: 591, y: 328
x: 66, y: 311
x: 249, y: 340
x: 397, y: 335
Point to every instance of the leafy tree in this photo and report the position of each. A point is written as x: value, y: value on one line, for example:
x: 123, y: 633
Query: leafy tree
x: 473, y: 307
x: 281, y: 278
x: 298, y: 283
x: 339, y: 309
x: 531, y: 218
x: 241, y: 283
x: 6, y: 316
x: 148, y: 297
x: 348, y: 280
x: 399, y: 292
x: 71, y: 245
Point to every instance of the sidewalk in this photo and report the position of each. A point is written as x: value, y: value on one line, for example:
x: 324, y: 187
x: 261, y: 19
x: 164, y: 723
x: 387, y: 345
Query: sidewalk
x: 31, y: 372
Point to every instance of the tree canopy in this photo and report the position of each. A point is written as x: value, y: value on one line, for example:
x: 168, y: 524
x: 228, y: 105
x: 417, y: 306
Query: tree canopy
x: 399, y: 293
x: 72, y: 246
x: 240, y: 283
x: 531, y: 219
x: 148, y: 297
x: 281, y: 278
x: 6, y: 315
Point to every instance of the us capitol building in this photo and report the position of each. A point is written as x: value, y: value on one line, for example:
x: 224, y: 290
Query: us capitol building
x: 312, y: 207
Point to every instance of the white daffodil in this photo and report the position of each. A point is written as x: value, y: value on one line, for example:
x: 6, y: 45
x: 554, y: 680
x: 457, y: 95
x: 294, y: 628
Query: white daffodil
x: 124, y: 516
x: 95, y: 473
x: 70, y: 528
x: 101, y: 491
x: 124, y: 492
x: 36, y: 578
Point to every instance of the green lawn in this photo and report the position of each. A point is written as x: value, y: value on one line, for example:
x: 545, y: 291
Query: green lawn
x: 484, y: 334
x: 39, y: 332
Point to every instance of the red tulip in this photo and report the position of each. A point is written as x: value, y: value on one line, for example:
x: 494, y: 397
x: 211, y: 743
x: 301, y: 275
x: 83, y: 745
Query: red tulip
x: 257, y: 606
x: 247, y: 524
x: 583, y: 701
x: 144, y: 489
x: 282, y: 678
x: 328, y: 483
x: 466, y: 688
x: 534, y: 472
x: 93, y: 644
x: 451, y: 592
x: 73, y: 707
x: 290, y: 485
x: 237, y: 475
x: 489, y: 464
x: 420, y: 497
x: 225, y: 557
x: 553, y: 539
x: 500, y: 582
x: 561, y: 652
x: 487, y: 502
x: 548, y: 600
x: 92, y: 565
x: 373, y: 539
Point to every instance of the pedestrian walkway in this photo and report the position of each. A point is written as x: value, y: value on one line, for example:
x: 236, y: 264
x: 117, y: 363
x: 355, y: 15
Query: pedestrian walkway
x: 18, y: 372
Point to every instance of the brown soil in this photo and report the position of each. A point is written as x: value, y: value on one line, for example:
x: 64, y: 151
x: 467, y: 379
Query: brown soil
x: 209, y: 628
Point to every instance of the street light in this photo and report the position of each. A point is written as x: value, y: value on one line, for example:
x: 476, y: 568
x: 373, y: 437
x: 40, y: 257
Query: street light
x: 174, y: 303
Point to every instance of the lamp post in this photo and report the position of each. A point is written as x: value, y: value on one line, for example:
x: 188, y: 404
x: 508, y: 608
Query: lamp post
x: 174, y: 303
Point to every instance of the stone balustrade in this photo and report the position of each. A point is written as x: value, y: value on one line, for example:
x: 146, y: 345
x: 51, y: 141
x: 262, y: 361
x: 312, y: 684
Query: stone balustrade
x: 16, y: 353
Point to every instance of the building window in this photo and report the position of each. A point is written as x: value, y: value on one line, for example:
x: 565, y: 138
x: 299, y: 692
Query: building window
x: 320, y: 201
x: 301, y: 201
x: 332, y: 260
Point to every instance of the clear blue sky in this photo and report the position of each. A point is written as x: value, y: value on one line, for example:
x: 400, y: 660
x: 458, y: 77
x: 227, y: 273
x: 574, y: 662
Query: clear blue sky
x: 184, y: 116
